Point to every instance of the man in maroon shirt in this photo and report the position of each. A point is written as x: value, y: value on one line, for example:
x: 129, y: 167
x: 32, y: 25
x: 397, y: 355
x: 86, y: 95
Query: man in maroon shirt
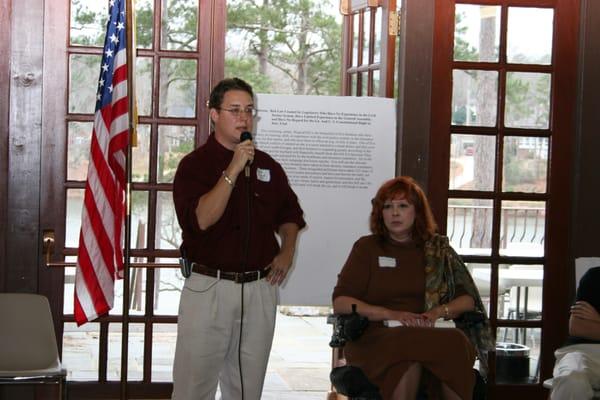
x: 230, y: 199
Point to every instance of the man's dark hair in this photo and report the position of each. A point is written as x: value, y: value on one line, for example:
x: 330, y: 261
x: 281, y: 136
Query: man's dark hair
x: 218, y: 92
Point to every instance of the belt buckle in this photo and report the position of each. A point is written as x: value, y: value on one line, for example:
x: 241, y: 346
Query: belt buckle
x: 239, y: 277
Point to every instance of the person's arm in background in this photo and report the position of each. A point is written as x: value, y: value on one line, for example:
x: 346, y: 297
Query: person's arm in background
x: 584, y: 321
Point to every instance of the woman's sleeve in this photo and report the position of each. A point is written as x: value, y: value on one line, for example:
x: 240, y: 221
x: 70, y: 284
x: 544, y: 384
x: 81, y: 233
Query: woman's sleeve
x: 353, y: 280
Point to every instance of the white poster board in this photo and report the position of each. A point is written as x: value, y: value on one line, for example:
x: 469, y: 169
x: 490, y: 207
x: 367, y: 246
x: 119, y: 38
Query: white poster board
x: 336, y: 152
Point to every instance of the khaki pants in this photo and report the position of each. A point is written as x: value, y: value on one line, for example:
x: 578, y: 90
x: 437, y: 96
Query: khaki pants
x: 576, y: 372
x: 208, y: 334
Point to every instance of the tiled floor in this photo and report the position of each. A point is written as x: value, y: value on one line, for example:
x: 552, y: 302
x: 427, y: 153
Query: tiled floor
x: 300, y: 359
x: 299, y: 363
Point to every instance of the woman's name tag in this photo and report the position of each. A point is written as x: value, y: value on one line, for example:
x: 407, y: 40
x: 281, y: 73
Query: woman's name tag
x: 387, y: 262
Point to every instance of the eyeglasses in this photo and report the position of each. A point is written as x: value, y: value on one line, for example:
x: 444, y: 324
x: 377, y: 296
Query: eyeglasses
x: 237, y: 112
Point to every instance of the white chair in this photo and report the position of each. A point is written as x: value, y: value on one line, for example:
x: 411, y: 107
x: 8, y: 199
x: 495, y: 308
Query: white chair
x: 28, y: 349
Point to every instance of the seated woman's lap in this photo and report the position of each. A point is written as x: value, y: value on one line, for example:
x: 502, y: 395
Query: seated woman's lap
x: 385, y: 354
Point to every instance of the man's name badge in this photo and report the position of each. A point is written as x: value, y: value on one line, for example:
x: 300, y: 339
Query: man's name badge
x: 263, y: 175
x: 387, y: 262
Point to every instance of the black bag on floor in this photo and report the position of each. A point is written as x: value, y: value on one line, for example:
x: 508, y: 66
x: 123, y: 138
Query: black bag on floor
x: 352, y: 382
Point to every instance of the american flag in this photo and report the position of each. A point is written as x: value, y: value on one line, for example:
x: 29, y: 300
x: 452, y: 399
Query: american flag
x: 100, y: 255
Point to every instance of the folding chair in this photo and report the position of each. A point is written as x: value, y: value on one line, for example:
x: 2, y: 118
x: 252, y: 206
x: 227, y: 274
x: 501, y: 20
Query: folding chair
x: 28, y: 349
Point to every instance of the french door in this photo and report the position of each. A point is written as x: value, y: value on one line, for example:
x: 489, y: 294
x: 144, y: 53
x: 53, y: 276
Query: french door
x: 502, y: 134
x: 180, y: 48
x: 369, y: 42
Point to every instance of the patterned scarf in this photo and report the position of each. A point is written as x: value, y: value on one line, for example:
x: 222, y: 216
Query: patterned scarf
x: 444, y: 271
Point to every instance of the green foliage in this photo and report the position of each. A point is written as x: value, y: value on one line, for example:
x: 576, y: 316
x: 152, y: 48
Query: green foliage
x: 179, y: 25
x: 87, y: 25
x: 247, y: 68
x: 169, y: 161
x: 523, y: 170
x: 462, y: 50
x: 296, y: 43
x: 144, y: 18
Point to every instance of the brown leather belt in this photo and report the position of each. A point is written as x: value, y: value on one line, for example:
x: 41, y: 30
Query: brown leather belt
x: 237, y: 277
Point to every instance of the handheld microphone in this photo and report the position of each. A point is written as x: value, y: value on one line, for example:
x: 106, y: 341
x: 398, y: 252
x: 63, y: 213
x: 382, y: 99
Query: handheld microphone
x: 243, y: 137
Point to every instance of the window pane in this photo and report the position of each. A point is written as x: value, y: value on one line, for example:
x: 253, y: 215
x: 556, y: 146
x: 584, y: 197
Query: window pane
x: 177, y: 88
x: 69, y: 287
x: 474, y: 97
x: 472, y: 160
x: 364, y: 86
x: 78, y: 150
x: 163, y: 351
x: 80, y: 351
x: 520, y: 292
x: 469, y: 225
x: 169, y: 282
x: 88, y: 22
x: 240, y: 62
x: 476, y: 33
x: 143, y: 85
x: 139, y: 219
x: 355, y: 31
x: 525, y: 164
x: 168, y: 232
x: 179, y: 25
x: 517, y: 355
x: 140, y: 162
x: 73, y: 217
x: 135, y: 348
x: 137, y: 292
x: 482, y: 275
x: 144, y: 21
x: 527, y: 100
x: 376, y: 75
x: 366, y: 38
x: 285, y: 48
x: 83, y: 81
x: 174, y: 142
x: 529, y: 34
x: 522, y: 227
x: 377, y: 39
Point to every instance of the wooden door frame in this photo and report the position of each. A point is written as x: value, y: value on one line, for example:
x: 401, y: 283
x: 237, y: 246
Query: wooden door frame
x: 55, y: 119
x: 387, y: 51
x: 5, y: 33
x: 559, y: 262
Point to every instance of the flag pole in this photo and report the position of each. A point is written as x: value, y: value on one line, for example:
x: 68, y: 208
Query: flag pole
x: 129, y: 14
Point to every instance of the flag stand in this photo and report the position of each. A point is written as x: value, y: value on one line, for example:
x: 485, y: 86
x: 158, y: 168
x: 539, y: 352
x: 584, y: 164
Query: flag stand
x: 129, y: 11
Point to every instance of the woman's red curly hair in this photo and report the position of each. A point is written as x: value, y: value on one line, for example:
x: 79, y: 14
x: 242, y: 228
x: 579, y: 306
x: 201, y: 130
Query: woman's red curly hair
x: 404, y: 187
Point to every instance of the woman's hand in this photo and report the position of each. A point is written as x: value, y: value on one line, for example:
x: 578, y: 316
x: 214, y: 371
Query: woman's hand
x: 434, y: 314
x: 410, y: 319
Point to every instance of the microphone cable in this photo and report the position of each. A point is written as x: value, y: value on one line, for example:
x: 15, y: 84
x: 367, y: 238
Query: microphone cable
x: 245, y: 250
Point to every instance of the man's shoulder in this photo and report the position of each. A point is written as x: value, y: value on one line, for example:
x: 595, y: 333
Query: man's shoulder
x: 198, y: 155
x: 265, y: 157
x: 193, y: 164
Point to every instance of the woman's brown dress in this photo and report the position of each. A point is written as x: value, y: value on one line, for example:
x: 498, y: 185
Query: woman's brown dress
x: 392, y: 275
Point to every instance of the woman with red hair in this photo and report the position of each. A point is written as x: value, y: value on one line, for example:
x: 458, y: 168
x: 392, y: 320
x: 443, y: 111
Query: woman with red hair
x: 407, y: 272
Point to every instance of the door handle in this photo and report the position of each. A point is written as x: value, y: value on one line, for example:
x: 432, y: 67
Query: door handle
x: 48, y: 244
